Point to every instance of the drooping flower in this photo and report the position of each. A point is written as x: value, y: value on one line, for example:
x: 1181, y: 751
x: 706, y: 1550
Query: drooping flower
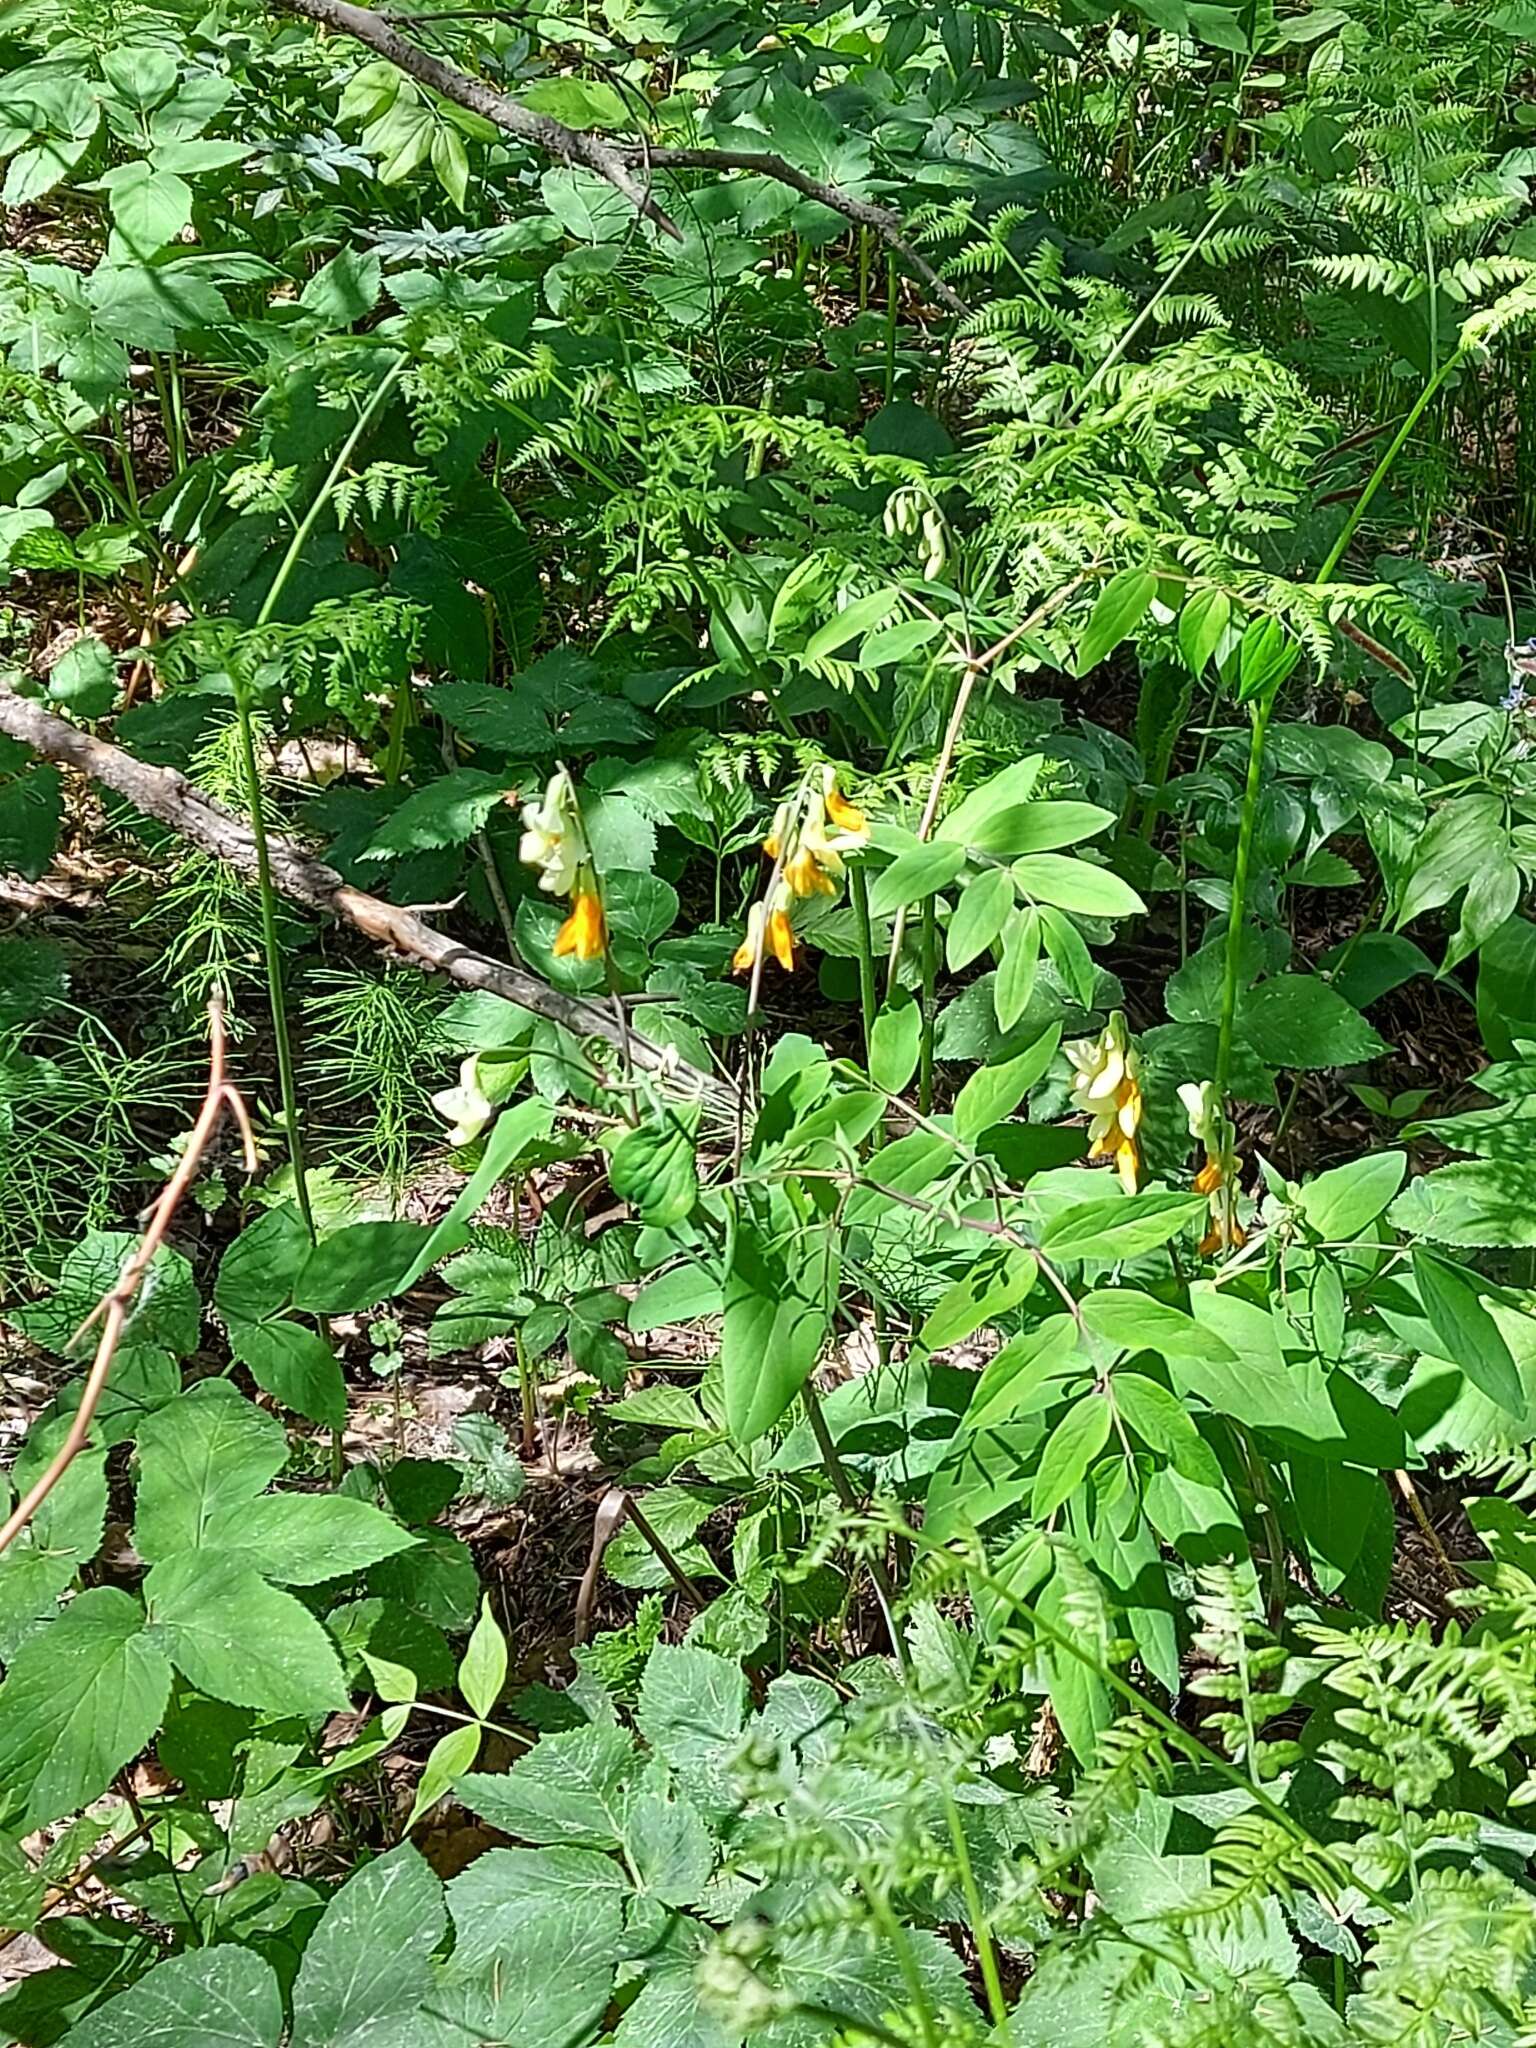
x: 553, y: 841
x: 1107, y: 1089
x: 767, y: 931
x: 1217, y: 1179
x: 808, y: 839
x: 486, y: 1079
x: 585, y: 931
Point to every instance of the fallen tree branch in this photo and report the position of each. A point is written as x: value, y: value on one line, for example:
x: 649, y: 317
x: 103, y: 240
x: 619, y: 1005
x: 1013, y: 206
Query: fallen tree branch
x: 219, y: 1099
x: 165, y: 794
x: 625, y: 166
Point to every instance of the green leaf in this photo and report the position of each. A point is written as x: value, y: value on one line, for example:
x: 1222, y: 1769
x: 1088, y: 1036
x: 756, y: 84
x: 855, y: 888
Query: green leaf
x: 1069, y: 952
x: 31, y: 810
x: 369, y: 1961
x: 446, y: 813
x: 1202, y: 625
x: 1302, y: 1022
x: 1076, y: 885
x: 150, y: 207
x: 1025, y: 1364
x: 483, y: 1672
x: 1000, y: 794
x: 447, y: 1760
x: 33, y: 979
x: 578, y: 102
x: 921, y: 871
x: 895, y: 1042
x: 1342, y: 1202
x: 1468, y: 1335
x: 84, y: 678
x: 1471, y: 1202
x: 202, y: 1458
x: 653, y: 1168
x: 854, y: 620
x: 1119, y: 609
x: 1069, y: 1450
x: 1120, y: 1229
x: 998, y: 1280
x: 574, y: 1789
x: 345, y: 290
x: 60, y: 1540
x: 1015, y: 981
x: 1159, y: 1418
x: 81, y: 1698
x: 1265, y: 658
x: 1133, y: 1321
x: 303, y: 1539
x: 359, y: 1266
x: 295, y: 1366
x: 777, y: 1314
x: 257, y: 1272
x: 220, y: 1997
x: 692, y: 1710
x: 993, y: 1093
x: 1042, y: 827
x: 980, y: 910
x: 239, y: 1639
x: 1506, y: 987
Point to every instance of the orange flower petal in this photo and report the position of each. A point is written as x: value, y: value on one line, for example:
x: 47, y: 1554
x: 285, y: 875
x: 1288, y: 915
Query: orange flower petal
x: 845, y: 816
x: 781, y: 940
x: 584, y: 932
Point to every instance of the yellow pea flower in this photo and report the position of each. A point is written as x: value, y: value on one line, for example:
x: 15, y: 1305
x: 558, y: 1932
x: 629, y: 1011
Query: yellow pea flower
x: 1106, y: 1088
x: 585, y: 931
x: 1218, y: 1177
x: 553, y: 841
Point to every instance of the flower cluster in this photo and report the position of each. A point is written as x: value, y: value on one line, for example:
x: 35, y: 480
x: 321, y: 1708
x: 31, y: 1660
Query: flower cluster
x: 807, y: 842
x: 1107, y: 1089
x: 1217, y: 1179
x: 554, y: 843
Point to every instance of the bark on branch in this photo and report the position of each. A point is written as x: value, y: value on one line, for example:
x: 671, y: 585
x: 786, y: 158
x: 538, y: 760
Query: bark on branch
x: 626, y: 166
x: 165, y: 794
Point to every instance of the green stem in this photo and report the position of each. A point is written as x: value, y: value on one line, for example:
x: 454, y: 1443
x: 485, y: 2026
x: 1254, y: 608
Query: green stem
x: 981, y: 1931
x: 858, y: 890
x: 1264, y: 708
x: 271, y: 944
x: 890, y: 328
x: 930, y: 950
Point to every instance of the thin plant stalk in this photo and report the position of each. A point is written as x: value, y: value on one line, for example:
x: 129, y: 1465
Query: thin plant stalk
x: 869, y: 1002
x: 930, y: 959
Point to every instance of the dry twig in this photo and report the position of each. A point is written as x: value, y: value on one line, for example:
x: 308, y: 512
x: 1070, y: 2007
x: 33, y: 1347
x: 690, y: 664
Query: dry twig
x: 112, y: 1311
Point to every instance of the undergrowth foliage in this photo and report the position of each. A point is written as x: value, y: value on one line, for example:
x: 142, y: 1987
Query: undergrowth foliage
x: 898, y: 1404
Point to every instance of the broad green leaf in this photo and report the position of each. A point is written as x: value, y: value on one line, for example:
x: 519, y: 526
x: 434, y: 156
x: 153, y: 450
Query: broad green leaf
x: 980, y: 910
x: 693, y: 1707
x: 506, y: 1891
x: 1118, y: 610
x: 1302, y: 1022
x: 1471, y: 1202
x: 483, y: 1672
x: 1042, y: 827
x: 515, y: 1132
x: 220, y: 1997
x: 1340, y: 1203
x: 31, y: 811
x: 1506, y: 987
x: 369, y: 1961
x: 777, y: 1314
x: 84, y: 678
x: 202, y: 1458
x: 579, y: 102
x: 1121, y: 1229
x: 60, y: 1540
x: 920, y: 871
x: 852, y: 622
x: 998, y: 1280
x: 1000, y: 793
x: 574, y: 1789
x: 1068, y: 949
x: 1076, y: 885
x: 1015, y: 982
x: 652, y: 1167
x: 294, y: 1365
x: 81, y: 1698
x: 1133, y: 1322
x: 1026, y: 1363
x: 1069, y: 1450
x: 993, y: 1093
x: 257, y: 1273
x: 1265, y: 658
x: 303, y: 1539
x: 1202, y: 625
x: 1159, y: 1418
x: 34, y: 977
x: 1468, y: 1335
x: 239, y: 1639
x: 895, y: 1042
x: 359, y: 1266
x: 149, y: 206
x: 345, y: 290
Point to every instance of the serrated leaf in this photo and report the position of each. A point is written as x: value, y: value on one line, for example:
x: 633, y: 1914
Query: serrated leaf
x: 202, y: 1458
x: 303, y: 1539
x: 239, y: 1639
x: 574, y: 1789
x: 368, y: 1961
x: 81, y: 1698
x: 446, y: 813
x: 220, y: 1997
